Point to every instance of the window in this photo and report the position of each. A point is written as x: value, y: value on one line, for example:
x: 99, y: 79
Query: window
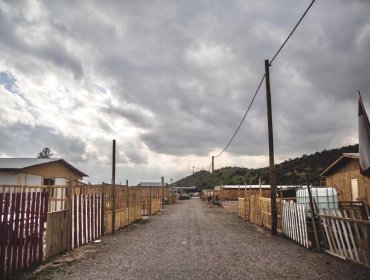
x: 49, y: 182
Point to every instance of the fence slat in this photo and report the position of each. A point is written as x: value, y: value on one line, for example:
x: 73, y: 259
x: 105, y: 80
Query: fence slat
x: 294, y: 222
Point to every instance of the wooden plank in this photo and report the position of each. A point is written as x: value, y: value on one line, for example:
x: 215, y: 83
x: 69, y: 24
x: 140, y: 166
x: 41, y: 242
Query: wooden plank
x: 88, y: 219
x: 36, y: 220
x: 75, y: 216
x: 348, y: 245
x: 17, y: 221
x: 351, y: 237
x: 323, y: 218
x: 5, y: 232
x: 81, y: 218
x: 22, y: 231
x: 83, y: 230
x: 340, y: 240
x: 56, y: 234
x: 93, y: 218
x: 10, y: 232
x: 43, y: 220
x: 27, y: 230
x: 359, y: 239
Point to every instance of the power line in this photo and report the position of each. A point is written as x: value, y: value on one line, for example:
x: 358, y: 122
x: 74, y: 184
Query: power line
x: 236, y: 131
x: 210, y: 167
x: 259, y: 86
x: 291, y: 33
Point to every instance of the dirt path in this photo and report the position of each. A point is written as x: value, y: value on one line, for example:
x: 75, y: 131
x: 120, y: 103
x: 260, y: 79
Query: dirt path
x: 193, y: 240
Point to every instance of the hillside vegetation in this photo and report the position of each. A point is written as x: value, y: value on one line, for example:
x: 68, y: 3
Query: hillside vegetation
x: 289, y: 172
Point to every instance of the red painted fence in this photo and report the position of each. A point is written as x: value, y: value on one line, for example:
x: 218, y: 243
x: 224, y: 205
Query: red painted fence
x: 22, y: 230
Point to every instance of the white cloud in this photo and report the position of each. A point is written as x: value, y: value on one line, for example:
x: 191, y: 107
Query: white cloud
x: 171, y: 80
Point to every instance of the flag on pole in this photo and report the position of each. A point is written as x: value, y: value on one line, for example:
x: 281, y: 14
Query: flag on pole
x: 363, y: 138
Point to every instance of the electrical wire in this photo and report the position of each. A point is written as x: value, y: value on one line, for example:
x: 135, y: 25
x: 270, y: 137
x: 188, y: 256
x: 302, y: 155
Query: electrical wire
x: 210, y: 167
x: 291, y: 33
x: 246, y: 112
x: 274, y: 57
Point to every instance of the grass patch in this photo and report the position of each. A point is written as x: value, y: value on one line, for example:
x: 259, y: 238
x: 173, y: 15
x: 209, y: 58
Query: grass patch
x: 142, y: 221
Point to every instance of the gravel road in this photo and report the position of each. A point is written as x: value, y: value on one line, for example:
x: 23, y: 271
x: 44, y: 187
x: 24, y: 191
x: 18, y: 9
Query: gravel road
x: 194, y: 240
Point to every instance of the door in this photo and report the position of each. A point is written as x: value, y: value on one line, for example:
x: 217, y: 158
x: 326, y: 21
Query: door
x: 354, y: 189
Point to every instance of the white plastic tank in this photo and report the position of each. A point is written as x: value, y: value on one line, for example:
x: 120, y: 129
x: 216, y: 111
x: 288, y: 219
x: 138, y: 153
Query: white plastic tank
x: 323, y: 197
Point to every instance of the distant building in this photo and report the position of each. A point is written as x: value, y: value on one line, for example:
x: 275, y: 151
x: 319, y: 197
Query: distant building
x: 37, y: 171
x: 344, y: 175
x: 150, y: 184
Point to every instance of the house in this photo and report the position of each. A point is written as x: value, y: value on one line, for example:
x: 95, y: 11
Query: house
x: 344, y: 175
x: 37, y: 171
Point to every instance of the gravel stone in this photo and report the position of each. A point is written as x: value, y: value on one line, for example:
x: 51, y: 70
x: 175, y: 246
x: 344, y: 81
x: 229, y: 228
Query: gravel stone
x: 195, y: 240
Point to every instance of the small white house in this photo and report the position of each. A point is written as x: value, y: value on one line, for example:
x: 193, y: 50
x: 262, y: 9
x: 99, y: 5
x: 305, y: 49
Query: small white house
x: 37, y: 171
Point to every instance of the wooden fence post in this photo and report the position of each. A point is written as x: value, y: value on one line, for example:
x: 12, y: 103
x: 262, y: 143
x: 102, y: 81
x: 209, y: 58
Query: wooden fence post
x: 69, y: 195
x: 150, y: 200
x: 103, y: 209
x: 313, y: 216
x: 114, y: 188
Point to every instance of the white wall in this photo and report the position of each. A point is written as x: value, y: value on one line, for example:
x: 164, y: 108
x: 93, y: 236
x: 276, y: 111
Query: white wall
x: 30, y: 180
x: 18, y: 179
x: 60, y: 181
x: 8, y: 179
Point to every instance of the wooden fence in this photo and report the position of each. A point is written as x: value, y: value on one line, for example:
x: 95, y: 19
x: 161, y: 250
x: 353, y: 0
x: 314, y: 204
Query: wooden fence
x: 23, y: 215
x: 86, y: 218
x: 127, y: 207
x: 345, y: 233
x: 346, y: 236
x: 265, y: 209
x: 41, y: 221
x: 294, y: 223
x: 257, y: 210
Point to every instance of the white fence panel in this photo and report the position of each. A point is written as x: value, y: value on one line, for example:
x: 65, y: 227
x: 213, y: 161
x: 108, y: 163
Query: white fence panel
x: 294, y: 222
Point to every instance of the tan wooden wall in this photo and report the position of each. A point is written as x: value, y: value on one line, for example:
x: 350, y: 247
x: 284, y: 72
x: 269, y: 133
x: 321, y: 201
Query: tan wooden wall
x: 52, y: 169
x: 234, y: 194
x: 241, y: 208
x: 257, y: 210
x: 156, y: 205
x: 56, y: 233
x: 341, y: 180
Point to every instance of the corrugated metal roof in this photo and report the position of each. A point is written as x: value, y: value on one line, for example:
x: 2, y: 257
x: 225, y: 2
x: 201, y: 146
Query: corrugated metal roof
x: 20, y: 163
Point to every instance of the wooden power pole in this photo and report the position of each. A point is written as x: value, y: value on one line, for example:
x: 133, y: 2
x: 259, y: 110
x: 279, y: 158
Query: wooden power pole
x: 114, y: 188
x: 213, y: 163
x: 271, y: 151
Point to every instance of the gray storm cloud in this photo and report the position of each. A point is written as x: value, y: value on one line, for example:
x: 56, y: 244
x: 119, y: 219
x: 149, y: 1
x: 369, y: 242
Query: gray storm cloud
x: 175, y: 77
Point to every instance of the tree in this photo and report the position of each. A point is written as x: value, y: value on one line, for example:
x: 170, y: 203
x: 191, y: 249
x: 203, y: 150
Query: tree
x: 45, y: 153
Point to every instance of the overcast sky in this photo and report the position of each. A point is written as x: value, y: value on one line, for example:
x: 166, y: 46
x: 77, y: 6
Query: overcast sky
x: 171, y: 80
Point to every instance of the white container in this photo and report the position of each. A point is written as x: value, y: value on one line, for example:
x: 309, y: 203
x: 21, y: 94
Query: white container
x: 323, y: 197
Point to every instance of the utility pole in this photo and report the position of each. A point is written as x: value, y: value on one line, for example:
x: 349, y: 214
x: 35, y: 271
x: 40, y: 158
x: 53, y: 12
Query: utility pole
x: 271, y: 151
x: 114, y: 187
x: 213, y: 163
x: 162, y: 180
x: 193, y: 170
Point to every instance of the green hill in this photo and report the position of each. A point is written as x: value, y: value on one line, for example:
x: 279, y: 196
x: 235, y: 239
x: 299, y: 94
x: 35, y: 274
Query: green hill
x: 289, y: 172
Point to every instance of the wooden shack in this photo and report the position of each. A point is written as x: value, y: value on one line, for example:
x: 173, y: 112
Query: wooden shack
x: 344, y: 175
